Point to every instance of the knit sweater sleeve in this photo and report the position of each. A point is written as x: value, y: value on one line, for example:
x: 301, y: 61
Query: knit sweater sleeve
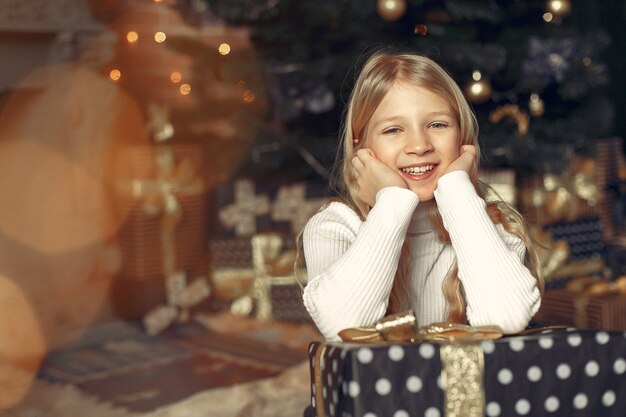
x: 351, y: 264
x: 499, y: 289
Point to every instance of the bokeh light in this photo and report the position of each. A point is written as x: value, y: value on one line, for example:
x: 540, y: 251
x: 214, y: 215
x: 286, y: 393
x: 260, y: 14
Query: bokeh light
x: 224, y: 49
x: 185, y: 89
x: 132, y: 36
x: 160, y: 37
x: 115, y: 74
x: 176, y: 77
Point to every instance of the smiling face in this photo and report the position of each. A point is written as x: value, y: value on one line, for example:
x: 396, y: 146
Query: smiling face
x: 415, y: 132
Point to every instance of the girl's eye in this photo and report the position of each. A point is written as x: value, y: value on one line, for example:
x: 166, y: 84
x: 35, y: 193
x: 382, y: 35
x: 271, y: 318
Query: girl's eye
x: 438, y: 125
x: 391, y: 130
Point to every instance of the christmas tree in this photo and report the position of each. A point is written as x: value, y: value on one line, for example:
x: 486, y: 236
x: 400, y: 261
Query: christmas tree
x: 534, y: 72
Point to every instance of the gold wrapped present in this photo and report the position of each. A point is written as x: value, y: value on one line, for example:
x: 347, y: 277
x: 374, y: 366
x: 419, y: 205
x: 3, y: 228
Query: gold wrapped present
x: 586, y: 303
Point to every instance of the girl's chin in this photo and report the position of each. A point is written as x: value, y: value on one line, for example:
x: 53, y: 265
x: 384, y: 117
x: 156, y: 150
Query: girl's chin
x: 424, y: 195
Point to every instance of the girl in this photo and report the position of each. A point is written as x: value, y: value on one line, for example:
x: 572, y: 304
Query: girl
x: 411, y: 229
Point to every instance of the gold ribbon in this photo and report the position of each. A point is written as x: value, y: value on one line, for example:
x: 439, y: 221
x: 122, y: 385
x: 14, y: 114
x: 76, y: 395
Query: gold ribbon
x: 462, y: 358
x: 586, y: 288
x: 463, y: 368
x: 564, y: 196
x: 402, y: 327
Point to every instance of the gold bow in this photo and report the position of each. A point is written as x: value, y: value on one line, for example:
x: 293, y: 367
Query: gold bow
x: 402, y: 327
x: 585, y: 288
x: 564, y: 196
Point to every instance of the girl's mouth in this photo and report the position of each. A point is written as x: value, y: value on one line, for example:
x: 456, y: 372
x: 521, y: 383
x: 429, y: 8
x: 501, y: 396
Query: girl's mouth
x: 418, y: 170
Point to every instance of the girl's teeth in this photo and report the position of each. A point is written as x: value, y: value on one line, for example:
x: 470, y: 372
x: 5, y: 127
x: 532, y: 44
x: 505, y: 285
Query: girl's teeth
x: 418, y: 170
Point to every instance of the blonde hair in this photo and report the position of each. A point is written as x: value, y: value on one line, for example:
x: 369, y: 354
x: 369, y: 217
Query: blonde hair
x: 376, y: 78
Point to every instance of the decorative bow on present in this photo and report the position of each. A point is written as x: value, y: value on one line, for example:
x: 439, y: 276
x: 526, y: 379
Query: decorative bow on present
x: 564, y: 196
x: 586, y: 288
x: 402, y: 327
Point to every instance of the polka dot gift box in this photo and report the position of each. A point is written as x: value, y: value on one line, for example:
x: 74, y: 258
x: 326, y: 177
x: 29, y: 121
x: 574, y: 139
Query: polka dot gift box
x: 556, y: 372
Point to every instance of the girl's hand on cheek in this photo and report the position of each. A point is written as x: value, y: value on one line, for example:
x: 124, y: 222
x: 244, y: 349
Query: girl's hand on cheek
x: 371, y: 175
x: 465, y: 162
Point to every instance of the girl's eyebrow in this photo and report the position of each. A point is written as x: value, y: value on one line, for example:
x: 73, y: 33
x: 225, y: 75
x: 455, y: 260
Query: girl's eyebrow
x: 394, y: 118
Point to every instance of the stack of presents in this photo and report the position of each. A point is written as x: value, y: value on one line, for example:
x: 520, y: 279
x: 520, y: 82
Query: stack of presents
x: 572, y: 361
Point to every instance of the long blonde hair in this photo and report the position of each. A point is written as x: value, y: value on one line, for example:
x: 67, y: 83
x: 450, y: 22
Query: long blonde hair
x: 376, y: 78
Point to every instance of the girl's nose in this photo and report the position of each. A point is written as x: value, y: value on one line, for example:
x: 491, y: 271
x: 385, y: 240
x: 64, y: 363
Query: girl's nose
x: 418, y: 144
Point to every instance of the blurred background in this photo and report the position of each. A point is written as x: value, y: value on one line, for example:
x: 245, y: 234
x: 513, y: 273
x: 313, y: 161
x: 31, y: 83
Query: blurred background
x: 160, y: 157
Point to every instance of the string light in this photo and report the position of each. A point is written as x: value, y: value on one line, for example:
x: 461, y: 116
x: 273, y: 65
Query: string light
x: 185, y: 89
x: 160, y: 37
x: 176, y: 77
x: 248, y: 96
x: 115, y: 74
x: 132, y: 36
x: 224, y: 49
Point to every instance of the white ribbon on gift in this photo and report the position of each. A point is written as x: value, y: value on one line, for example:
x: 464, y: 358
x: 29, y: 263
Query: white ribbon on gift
x: 242, y: 213
x: 292, y: 205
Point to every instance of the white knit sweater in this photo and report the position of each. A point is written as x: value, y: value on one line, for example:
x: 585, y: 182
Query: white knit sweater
x: 351, y: 263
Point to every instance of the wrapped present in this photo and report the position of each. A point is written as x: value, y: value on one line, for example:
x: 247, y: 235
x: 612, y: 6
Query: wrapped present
x: 584, y: 237
x: 545, y: 373
x: 163, y: 198
x: 615, y: 257
x: 550, y: 198
x: 245, y: 207
x: 501, y: 184
x: 586, y: 303
x: 257, y: 278
x: 611, y: 177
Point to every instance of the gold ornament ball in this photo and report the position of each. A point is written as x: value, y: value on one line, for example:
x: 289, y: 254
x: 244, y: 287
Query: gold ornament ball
x: 391, y: 9
x: 559, y: 8
x: 536, y: 105
x: 478, y: 90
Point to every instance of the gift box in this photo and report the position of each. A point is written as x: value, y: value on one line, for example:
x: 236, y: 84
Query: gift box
x: 547, y: 198
x: 256, y: 277
x: 611, y: 172
x: 615, y: 257
x: 287, y: 304
x: 586, y: 303
x: 554, y: 372
x: 162, y: 200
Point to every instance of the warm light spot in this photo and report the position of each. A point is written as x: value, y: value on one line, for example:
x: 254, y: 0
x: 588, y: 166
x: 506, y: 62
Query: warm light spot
x: 556, y: 5
x: 132, y: 36
x: 248, y: 96
x: 476, y: 75
x: 176, y: 77
x: 158, y: 1
x: 115, y: 74
x: 160, y: 37
x: 477, y: 89
x: 241, y: 84
x: 586, y: 61
x: 185, y: 89
x: 224, y: 49
x: 548, y: 17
